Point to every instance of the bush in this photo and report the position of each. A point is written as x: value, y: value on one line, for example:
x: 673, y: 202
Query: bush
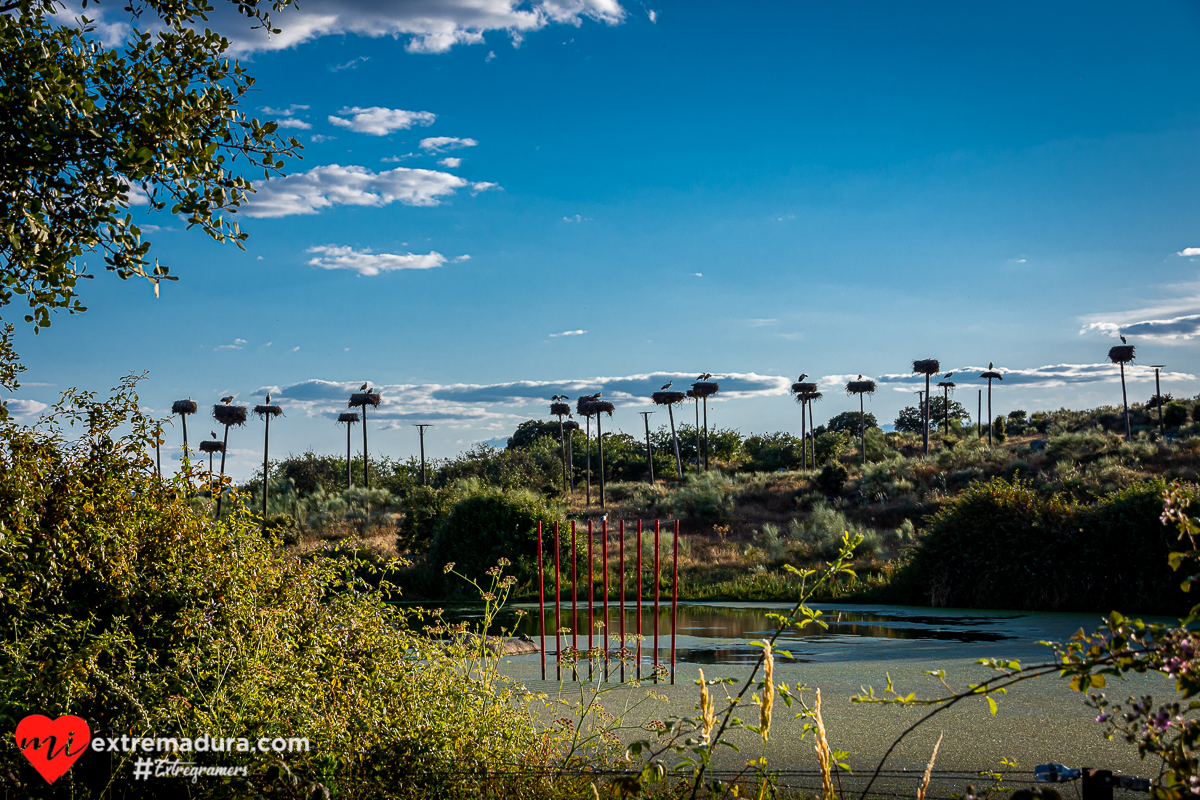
x: 707, y: 497
x: 1175, y: 415
x: 481, y: 530
x: 832, y: 479
x: 999, y: 433
x: 772, y: 452
x: 1004, y: 545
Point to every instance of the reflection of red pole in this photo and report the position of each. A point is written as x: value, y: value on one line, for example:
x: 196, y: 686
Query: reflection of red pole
x: 541, y: 599
x: 638, y: 584
x: 656, y: 573
x: 557, y: 610
x: 574, y: 596
x: 674, y: 599
x: 621, y: 562
x: 604, y: 555
x: 591, y: 594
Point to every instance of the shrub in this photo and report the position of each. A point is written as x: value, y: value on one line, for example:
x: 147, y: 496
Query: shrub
x: 1003, y: 545
x: 999, y: 433
x: 1175, y: 415
x: 492, y: 525
x: 707, y: 497
x: 832, y: 479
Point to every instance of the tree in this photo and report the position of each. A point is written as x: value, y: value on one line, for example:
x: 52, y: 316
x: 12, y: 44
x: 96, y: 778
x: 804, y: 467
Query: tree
x: 86, y: 131
x: 909, y: 420
x: 530, y: 431
x: 851, y: 422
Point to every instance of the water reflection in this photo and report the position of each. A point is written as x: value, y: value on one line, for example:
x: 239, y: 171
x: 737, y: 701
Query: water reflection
x: 734, y: 626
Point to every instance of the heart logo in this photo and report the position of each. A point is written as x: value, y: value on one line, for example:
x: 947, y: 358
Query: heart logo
x: 52, y: 745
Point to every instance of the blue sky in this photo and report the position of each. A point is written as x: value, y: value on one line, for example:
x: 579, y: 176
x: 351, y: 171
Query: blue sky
x: 498, y: 202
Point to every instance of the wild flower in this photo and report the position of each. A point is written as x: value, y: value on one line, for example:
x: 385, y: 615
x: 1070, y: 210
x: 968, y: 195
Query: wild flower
x: 768, y: 698
x: 708, y: 713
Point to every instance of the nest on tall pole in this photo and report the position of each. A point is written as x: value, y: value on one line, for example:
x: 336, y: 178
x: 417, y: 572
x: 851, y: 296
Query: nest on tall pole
x: 926, y: 366
x: 229, y: 415
x: 946, y: 384
x: 364, y: 399
x: 702, y: 389
x: 348, y: 417
x: 212, y: 447
x: 1121, y: 354
x: 861, y: 387
x: 560, y: 409
x: 594, y: 408
x: 803, y: 388
x: 570, y: 425
x: 991, y: 375
x: 184, y: 407
x: 268, y: 411
x: 667, y: 398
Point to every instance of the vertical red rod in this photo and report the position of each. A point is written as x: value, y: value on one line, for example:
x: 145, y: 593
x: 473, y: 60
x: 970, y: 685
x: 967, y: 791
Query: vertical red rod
x: 557, y: 610
x: 656, y: 574
x: 604, y: 555
x: 574, y: 597
x: 638, y: 584
x: 674, y: 599
x: 621, y: 563
x: 541, y: 598
x: 591, y: 594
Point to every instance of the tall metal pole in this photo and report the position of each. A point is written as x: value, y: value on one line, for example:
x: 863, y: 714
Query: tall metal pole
x: 803, y: 437
x: 266, y: 448
x: 600, y: 450
x: 591, y: 595
x: 674, y: 599
x: 1124, y: 401
x: 697, y: 401
x: 604, y: 556
x: 705, y: 401
x: 421, y: 432
x: 649, y: 450
x: 557, y: 609
x: 675, y: 441
x: 562, y: 441
x: 656, y: 574
x: 621, y: 566
x: 925, y: 440
x: 1158, y: 395
x: 638, y: 583
x: 221, y: 487
x: 812, y: 433
x: 979, y: 416
x: 366, y: 461
x: 989, y: 412
x: 541, y: 597
x: 862, y: 419
x: 349, y: 472
x: 588, y: 432
x: 575, y: 598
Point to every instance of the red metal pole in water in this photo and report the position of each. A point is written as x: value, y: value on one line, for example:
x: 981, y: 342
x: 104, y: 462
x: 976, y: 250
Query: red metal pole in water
x: 574, y: 597
x: 557, y: 610
x: 621, y: 564
x: 541, y: 599
x: 674, y: 599
x: 591, y: 594
x: 604, y: 555
x: 638, y: 583
x: 656, y: 574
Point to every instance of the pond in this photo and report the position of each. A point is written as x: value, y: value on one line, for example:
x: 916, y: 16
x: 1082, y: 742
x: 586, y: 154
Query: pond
x: 722, y: 633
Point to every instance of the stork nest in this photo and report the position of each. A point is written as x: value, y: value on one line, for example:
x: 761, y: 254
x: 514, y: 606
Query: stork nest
x: 993, y: 375
x: 805, y: 397
x: 364, y: 399
x: 927, y: 366
x: 229, y: 415
x: 184, y: 407
x: 667, y: 398
x: 570, y: 425
x: 560, y: 409
x: 704, y: 389
x: 945, y: 384
x: 268, y: 411
x: 592, y: 408
x: 1121, y: 354
x: 860, y: 387
x: 802, y: 388
x: 347, y: 417
x: 212, y: 447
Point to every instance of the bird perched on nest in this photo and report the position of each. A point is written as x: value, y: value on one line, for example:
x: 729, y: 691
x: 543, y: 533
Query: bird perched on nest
x: 595, y: 396
x: 213, y: 434
x: 363, y: 388
x: 1122, y: 339
x: 268, y: 398
x: 227, y: 400
x: 860, y: 377
x: 991, y: 365
x: 666, y: 386
x: 803, y: 375
x: 704, y: 376
x: 948, y: 374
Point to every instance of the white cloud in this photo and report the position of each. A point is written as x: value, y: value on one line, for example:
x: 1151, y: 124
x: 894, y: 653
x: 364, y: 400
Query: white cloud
x: 1050, y: 376
x: 284, y: 112
x: 440, y: 144
x: 396, y: 159
x: 431, y: 26
x: 577, y: 218
x: 698, y: 274
x: 652, y: 14
x: 25, y: 410
x: 459, y: 259
x: 483, y: 186
x: 1182, y: 328
x: 500, y: 405
x: 292, y: 122
x: 364, y: 262
x: 351, y: 64
x: 758, y: 323
x: 569, y: 333
x: 333, y: 185
x: 379, y: 121
x: 320, y: 137
x: 238, y: 344
x: 1189, y: 251
x: 450, y: 163
x: 491, y: 54
x: 294, y: 349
